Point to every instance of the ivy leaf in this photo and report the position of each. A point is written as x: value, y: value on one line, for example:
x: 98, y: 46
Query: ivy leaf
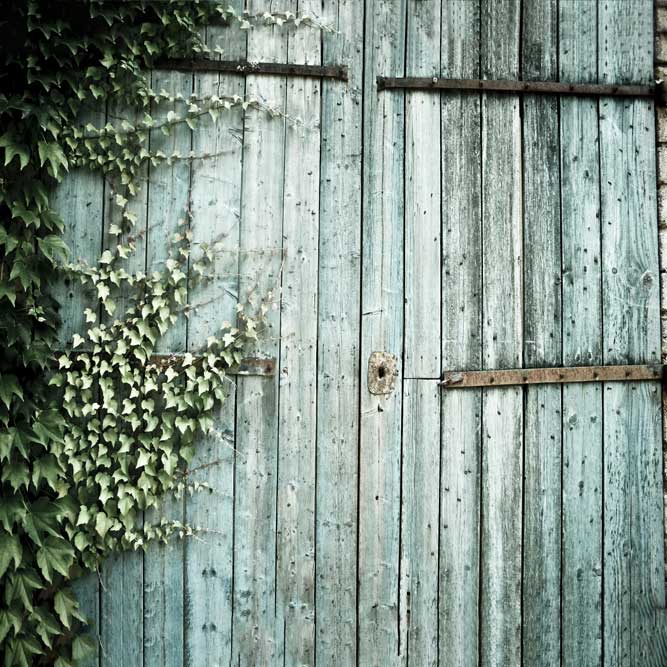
x: 10, y: 550
x: 52, y: 153
x: 82, y: 647
x: 53, y: 248
x: 20, y: 587
x: 13, y: 149
x: 9, y: 619
x: 17, y: 475
x: 47, y: 626
x: 66, y: 607
x: 20, y: 649
x: 42, y: 519
x: 55, y: 555
x: 102, y: 524
x: 12, y: 510
x: 9, y: 387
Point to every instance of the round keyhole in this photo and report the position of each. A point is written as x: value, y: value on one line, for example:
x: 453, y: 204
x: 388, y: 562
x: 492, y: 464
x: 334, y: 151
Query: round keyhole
x: 381, y: 371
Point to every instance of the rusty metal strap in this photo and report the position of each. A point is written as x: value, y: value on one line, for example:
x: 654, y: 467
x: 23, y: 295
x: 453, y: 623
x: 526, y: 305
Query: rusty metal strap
x: 509, y: 86
x: 244, y: 67
x: 522, y: 376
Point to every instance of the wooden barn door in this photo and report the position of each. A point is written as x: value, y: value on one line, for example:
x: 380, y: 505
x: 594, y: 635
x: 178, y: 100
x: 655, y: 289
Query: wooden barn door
x: 361, y: 513
x: 509, y: 525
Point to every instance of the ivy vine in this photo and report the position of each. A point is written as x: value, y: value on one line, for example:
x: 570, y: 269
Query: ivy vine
x: 93, y: 435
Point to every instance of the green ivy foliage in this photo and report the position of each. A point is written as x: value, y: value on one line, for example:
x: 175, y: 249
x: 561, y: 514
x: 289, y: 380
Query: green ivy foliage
x: 93, y: 435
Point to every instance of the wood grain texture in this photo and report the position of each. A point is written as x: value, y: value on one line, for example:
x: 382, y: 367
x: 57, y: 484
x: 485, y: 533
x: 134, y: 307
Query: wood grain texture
x: 339, y: 302
x: 168, y: 192
x: 295, y: 566
x: 631, y: 332
x: 79, y: 200
x: 255, y: 633
x: 582, y: 343
x: 420, y: 523
x: 215, y: 209
x: 382, y: 329
x: 461, y: 341
x: 422, y: 244
x: 542, y: 341
x: 122, y: 575
x: 502, y: 413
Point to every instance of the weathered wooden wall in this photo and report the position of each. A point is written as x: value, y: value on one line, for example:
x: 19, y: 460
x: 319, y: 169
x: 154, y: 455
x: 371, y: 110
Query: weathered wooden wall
x: 501, y: 526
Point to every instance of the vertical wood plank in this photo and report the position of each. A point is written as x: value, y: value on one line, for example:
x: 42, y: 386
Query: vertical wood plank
x: 422, y: 195
x: 502, y: 414
x: 382, y: 329
x: 79, y: 200
x: 338, y: 340
x: 461, y: 340
x: 419, y: 522
x: 581, y: 621
x: 295, y: 566
x: 254, y: 628
x: 215, y: 210
x: 168, y: 193
x: 122, y: 580
x: 542, y: 341
x: 633, y: 482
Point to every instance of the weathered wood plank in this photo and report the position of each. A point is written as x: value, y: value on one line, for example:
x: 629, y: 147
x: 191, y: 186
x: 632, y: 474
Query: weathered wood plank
x: 420, y: 523
x: 254, y: 630
x: 122, y: 580
x: 422, y: 196
x: 542, y: 341
x: 295, y: 566
x: 382, y: 329
x: 79, y: 200
x: 502, y: 412
x: 339, y: 303
x: 581, y: 621
x: 215, y: 210
x: 461, y: 341
x: 631, y: 333
x: 168, y: 192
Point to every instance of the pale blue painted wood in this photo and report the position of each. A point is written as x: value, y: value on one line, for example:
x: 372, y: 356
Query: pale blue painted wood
x: 122, y: 576
x: 295, y: 564
x: 215, y: 209
x: 422, y: 196
x: 461, y: 341
x: 168, y: 191
x: 381, y: 330
x: 633, y: 566
x: 420, y: 523
x: 502, y: 412
x: 582, y: 343
x: 541, y: 578
x: 79, y: 200
x: 256, y: 637
x: 338, y: 341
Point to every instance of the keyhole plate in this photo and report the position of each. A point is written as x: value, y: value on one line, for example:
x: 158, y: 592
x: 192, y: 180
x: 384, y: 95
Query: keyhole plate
x: 382, y: 372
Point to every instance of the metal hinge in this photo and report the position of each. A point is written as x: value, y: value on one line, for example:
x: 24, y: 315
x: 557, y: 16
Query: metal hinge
x: 656, y: 90
x: 245, y: 67
x: 571, y: 374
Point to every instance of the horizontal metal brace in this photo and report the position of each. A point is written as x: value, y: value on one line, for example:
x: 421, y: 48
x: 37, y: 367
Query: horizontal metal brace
x: 509, y: 86
x: 244, y: 67
x: 573, y: 374
x: 262, y: 366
